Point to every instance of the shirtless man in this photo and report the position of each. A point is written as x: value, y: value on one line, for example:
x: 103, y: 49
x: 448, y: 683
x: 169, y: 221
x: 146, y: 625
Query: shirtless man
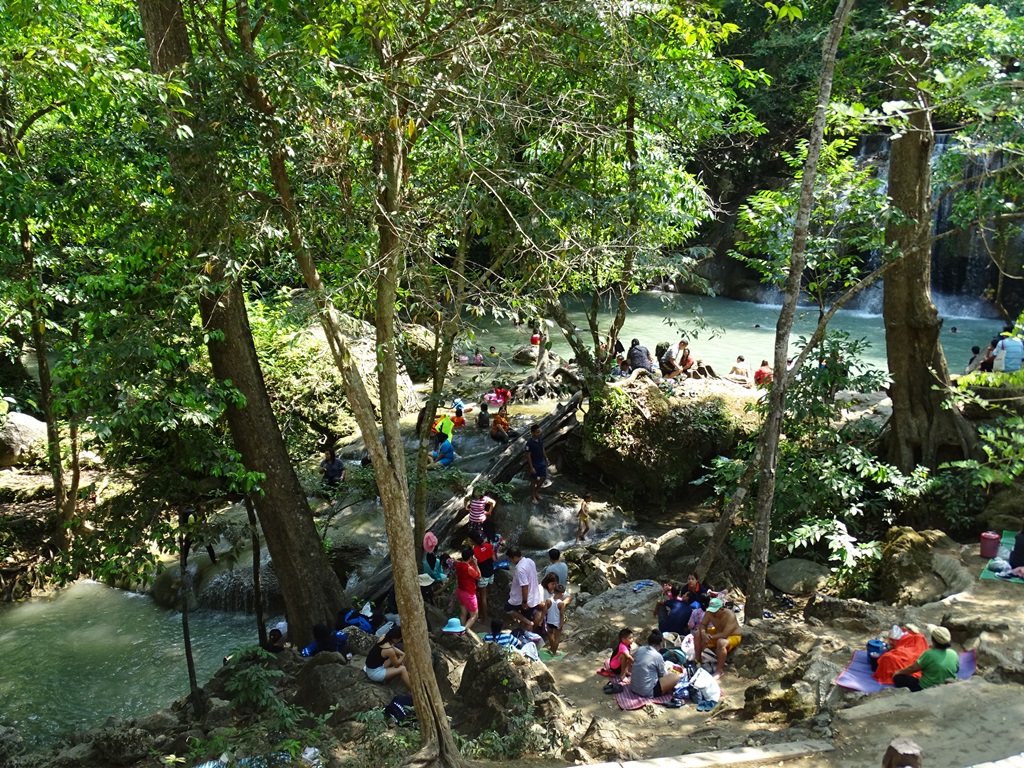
x: 719, y: 631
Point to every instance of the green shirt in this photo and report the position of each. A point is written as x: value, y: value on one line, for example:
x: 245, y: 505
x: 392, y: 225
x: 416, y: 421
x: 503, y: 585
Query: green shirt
x: 938, y: 666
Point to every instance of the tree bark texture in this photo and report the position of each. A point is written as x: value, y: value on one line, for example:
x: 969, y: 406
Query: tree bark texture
x: 771, y: 431
x: 922, y: 431
x: 310, y: 588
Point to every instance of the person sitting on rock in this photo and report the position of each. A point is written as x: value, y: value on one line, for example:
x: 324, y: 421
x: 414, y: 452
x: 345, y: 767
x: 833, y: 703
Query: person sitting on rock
x: 763, y: 376
x: 443, y: 457
x: 500, y: 431
x: 386, y: 660
x: 674, y: 611
x: 936, y: 665
x: 639, y: 356
x: 739, y: 373
x: 669, y: 361
x: 694, y: 589
x: 650, y: 676
x: 621, y: 660
x: 718, y: 631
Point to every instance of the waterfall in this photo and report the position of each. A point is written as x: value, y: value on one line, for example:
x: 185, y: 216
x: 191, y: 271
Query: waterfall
x: 964, y: 277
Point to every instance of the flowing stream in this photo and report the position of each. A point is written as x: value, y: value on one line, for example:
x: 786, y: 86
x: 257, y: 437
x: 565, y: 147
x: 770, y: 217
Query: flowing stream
x: 92, y: 652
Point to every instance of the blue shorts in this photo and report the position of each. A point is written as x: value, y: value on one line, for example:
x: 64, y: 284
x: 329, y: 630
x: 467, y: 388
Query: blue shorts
x: 540, y: 471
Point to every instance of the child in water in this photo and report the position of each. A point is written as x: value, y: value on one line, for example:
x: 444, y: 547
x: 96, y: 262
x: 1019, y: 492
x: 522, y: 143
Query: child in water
x: 583, y: 527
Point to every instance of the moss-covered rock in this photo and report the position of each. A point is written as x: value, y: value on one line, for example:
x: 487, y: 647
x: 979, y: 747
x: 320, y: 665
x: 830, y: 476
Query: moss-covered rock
x: 907, y: 575
x: 652, y: 447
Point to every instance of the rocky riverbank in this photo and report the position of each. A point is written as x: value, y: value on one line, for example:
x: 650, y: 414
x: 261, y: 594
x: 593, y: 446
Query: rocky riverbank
x: 778, y: 687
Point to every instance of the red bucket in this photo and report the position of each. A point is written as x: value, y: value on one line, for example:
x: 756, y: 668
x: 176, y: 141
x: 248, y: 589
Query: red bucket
x: 990, y: 544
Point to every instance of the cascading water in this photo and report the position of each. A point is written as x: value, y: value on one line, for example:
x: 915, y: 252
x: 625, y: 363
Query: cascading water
x: 963, y: 273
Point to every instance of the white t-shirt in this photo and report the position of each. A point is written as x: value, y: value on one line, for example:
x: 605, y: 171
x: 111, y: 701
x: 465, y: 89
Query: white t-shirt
x: 525, y: 576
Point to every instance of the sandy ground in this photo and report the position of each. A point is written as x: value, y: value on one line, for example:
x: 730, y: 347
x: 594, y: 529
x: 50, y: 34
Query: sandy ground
x: 957, y: 725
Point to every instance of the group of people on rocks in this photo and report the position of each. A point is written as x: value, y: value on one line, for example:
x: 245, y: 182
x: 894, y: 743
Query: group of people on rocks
x: 694, y: 616
x: 675, y: 361
x: 1003, y: 354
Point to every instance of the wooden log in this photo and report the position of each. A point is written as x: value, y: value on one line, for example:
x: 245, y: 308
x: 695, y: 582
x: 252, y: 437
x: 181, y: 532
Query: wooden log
x: 902, y: 753
x: 505, y: 465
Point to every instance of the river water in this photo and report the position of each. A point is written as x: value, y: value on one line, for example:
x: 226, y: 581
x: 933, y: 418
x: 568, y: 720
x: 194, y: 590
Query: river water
x: 91, y: 652
x: 73, y: 660
x: 720, y: 329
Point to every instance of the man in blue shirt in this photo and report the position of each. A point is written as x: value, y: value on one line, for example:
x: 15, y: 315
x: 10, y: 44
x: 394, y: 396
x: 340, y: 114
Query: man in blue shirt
x: 444, y: 456
x: 537, y: 459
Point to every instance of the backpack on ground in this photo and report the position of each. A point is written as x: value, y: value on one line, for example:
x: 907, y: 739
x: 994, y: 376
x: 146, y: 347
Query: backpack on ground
x: 400, y: 709
x: 354, y: 619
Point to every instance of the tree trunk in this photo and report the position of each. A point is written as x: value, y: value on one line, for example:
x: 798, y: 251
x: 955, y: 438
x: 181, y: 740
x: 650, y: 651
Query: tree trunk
x: 922, y: 429
x: 771, y: 431
x: 61, y: 521
x: 438, y: 744
x: 311, y: 590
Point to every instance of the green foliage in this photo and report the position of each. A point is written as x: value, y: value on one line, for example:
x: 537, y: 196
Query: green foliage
x: 847, y: 223
x: 381, y: 747
x: 1003, y: 444
x: 303, y: 382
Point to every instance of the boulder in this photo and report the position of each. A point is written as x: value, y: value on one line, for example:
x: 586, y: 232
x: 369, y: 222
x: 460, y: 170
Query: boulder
x: 1004, y: 512
x: 796, y: 576
x: 525, y: 355
x: 22, y: 440
x: 342, y: 687
x: 121, y: 746
x: 604, y: 742
x: 219, y: 714
x: 854, y: 615
x: 160, y: 722
x: 906, y: 574
x: 774, y: 701
x: 653, y: 447
x: 491, y: 681
x: 11, y: 744
x: 683, y: 545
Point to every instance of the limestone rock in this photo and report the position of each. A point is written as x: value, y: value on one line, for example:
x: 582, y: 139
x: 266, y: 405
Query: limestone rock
x: 906, y: 575
x: 11, y: 744
x: 796, y: 576
x: 683, y: 544
x: 490, y: 681
x: 344, y: 687
x: 1004, y: 512
x: 773, y: 701
x: 219, y: 713
x: 854, y: 615
x: 22, y: 440
x: 603, y: 741
x: 359, y: 642
x: 163, y: 721
x: 525, y: 355
x: 121, y: 746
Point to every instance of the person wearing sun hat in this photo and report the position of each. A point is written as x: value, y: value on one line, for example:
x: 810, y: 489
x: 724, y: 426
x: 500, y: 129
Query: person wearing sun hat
x: 453, y: 627
x: 719, y: 630
x: 936, y: 665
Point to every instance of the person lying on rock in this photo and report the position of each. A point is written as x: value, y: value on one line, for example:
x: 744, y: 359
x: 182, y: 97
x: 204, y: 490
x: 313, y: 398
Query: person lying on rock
x: 650, y: 672
x: 936, y: 665
x: 720, y: 631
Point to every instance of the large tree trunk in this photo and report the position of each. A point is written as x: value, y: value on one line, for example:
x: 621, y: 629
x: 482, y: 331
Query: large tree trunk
x: 771, y: 431
x: 923, y: 429
x: 310, y: 588
x: 438, y: 743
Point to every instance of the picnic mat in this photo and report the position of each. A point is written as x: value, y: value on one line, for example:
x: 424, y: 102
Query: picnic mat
x: 547, y: 656
x: 857, y: 675
x: 628, y: 700
x: 1006, y: 542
